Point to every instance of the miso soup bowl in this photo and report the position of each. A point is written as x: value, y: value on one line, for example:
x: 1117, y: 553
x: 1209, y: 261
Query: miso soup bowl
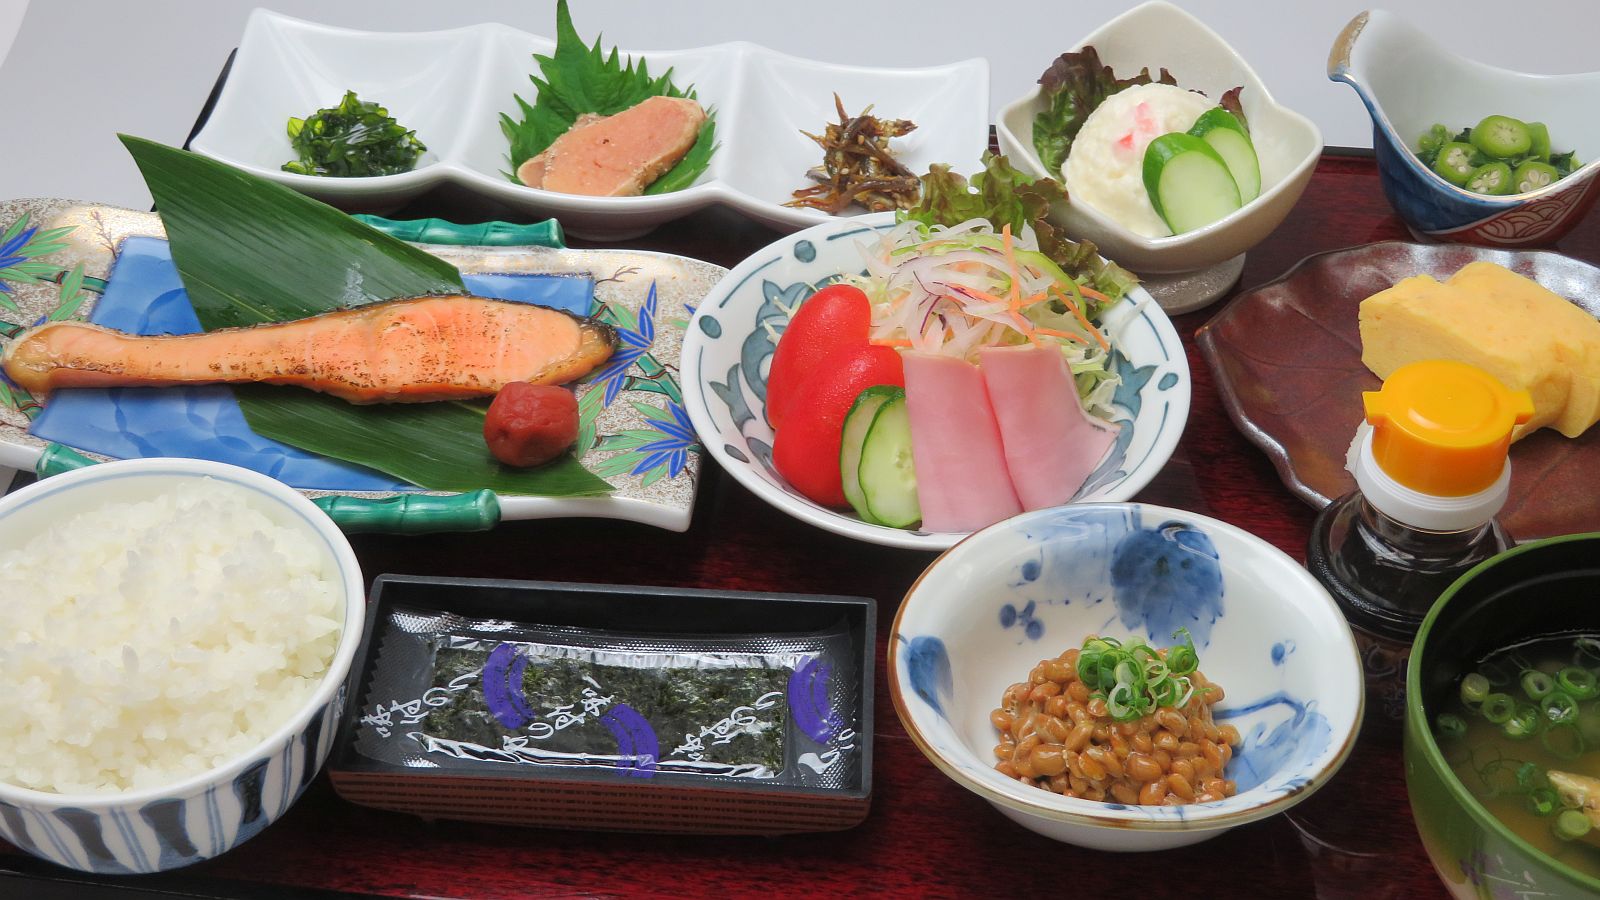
x: 1409, y: 83
x: 208, y: 812
x: 1026, y: 589
x: 1538, y: 589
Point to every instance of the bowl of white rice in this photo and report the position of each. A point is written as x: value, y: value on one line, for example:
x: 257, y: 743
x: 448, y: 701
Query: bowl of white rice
x: 175, y: 637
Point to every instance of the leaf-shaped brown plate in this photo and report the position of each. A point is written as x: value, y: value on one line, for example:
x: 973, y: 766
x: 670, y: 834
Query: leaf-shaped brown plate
x: 1287, y: 361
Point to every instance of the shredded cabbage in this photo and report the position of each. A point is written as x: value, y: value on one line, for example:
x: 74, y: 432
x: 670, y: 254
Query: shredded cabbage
x: 953, y: 289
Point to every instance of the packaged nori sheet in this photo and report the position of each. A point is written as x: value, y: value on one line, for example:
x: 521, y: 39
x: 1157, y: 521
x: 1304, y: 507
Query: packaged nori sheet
x: 454, y: 693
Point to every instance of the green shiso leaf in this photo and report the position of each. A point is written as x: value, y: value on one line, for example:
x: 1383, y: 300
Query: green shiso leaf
x: 581, y: 79
x: 251, y: 252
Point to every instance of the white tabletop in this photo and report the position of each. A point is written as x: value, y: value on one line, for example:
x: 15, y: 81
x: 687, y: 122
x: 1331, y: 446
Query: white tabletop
x: 81, y: 70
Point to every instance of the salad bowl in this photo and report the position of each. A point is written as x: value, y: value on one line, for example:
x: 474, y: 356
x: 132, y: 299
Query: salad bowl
x: 451, y: 87
x: 730, y: 342
x: 1409, y: 83
x: 1028, y: 588
x: 1185, y: 271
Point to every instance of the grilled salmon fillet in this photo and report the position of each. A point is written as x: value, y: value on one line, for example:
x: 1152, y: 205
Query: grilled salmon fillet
x: 446, y: 347
x: 620, y: 155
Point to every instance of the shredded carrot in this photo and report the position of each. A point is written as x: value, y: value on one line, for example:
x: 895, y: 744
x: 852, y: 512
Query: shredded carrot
x: 1091, y: 292
x: 1064, y: 334
x: 890, y: 342
x: 1082, y: 319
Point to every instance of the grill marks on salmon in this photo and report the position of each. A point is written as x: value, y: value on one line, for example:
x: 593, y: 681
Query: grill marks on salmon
x: 618, y: 155
x: 447, y: 347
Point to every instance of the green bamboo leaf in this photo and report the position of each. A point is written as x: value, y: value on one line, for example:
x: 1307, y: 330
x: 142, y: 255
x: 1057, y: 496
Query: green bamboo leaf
x: 653, y: 475
x: 652, y: 412
x: 6, y: 301
x: 616, y: 466
x: 72, y: 295
x: 5, y: 395
x: 290, y: 257
x: 32, y: 250
x: 16, y: 274
x: 590, y: 405
x: 36, y: 268
x: 436, y: 445
x: 53, y: 233
x: 627, y: 440
x: 14, y: 229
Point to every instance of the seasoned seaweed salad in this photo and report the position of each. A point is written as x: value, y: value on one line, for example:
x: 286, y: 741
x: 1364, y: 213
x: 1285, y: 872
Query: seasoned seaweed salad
x: 727, y: 717
x: 447, y: 692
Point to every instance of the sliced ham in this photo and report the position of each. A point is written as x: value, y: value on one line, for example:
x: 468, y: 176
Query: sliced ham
x: 1051, y: 444
x: 620, y: 155
x: 962, y: 482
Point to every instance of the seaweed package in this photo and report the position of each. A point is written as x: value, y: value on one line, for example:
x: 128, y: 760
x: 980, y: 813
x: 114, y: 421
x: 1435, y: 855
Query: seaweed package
x: 454, y: 693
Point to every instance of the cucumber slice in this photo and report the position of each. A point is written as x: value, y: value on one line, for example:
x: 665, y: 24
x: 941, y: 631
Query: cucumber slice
x: 888, y: 477
x: 1227, y: 135
x: 856, y: 424
x: 1188, y: 181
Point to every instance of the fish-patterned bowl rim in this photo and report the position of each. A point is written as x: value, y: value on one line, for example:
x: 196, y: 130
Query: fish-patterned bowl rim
x: 1287, y: 582
x: 730, y: 417
x: 271, y: 491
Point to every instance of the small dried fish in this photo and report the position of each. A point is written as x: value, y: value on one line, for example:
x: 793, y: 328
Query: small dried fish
x: 857, y: 166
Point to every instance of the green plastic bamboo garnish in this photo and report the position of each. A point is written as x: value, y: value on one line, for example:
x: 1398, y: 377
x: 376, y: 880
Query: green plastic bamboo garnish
x: 579, y: 79
x: 1134, y: 679
x: 355, y: 139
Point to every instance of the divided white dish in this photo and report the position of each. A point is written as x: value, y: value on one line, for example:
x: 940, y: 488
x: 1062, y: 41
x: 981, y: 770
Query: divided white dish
x: 452, y: 86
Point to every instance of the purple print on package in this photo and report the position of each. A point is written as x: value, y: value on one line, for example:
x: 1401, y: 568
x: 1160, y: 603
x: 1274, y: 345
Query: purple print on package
x: 636, y: 740
x: 502, y: 686
x: 808, y: 700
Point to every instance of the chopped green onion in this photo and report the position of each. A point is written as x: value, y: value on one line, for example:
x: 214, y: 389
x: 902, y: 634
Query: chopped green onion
x: 1559, y: 707
x: 1523, y: 724
x: 1537, y: 685
x: 1571, y: 824
x: 1577, y: 681
x: 1474, y: 688
x: 1451, y: 726
x: 1586, y: 650
x: 1529, y: 776
x: 1498, y: 707
x: 1133, y: 678
x: 1498, y: 778
x: 1564, y: 740
x: 1542, y: 801
x: 1589, y: 724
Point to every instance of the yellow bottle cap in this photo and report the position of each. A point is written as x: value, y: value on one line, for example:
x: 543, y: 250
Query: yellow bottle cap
x: 1442, y: 427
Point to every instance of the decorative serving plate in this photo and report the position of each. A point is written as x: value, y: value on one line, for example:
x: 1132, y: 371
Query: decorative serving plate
x: 1287, y: 358
x: 62, y: 259
x: 452, y: 86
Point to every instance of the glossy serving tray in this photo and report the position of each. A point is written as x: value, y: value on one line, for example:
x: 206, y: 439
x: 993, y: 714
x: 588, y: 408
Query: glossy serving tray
x: 111, y: 266
x: 606, y: 799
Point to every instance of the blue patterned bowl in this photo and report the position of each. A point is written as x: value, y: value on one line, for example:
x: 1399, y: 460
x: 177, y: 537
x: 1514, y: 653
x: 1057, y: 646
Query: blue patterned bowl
x: 1033, y: 586
x: 1409, y: 83
x: 212, y: 812
x: 730, y: 342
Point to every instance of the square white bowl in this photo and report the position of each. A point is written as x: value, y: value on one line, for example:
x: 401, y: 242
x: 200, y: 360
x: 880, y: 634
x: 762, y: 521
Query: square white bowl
x: 1159, y: 35
x: 467, y: 77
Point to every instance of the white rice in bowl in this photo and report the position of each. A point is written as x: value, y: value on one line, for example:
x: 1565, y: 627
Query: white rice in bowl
x: 143, y: 643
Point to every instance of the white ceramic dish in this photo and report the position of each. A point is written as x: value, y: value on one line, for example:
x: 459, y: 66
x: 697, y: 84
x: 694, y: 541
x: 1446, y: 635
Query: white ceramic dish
x: 727, y: 347
x: 211, y: 812
x: 452, y: 86
x: 1036, y: 585
x: 1189, y: 270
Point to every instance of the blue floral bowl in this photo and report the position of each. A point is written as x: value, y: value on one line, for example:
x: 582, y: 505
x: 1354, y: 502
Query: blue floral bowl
x: 1033, y: 586
x: 730, y: 343
x: 1410, y: 83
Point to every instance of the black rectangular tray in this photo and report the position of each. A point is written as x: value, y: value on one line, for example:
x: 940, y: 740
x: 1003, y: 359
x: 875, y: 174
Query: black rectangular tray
x: 598, y: 799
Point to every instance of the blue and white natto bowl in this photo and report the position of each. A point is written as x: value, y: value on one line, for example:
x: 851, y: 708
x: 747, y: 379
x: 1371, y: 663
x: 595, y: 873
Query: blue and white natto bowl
x: 1410, y: 83
x: 1026, y: 589
x: 212, y: 812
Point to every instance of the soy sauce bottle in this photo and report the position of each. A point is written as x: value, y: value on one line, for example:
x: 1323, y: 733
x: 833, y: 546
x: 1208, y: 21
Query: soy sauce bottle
x: 1431, y: 474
